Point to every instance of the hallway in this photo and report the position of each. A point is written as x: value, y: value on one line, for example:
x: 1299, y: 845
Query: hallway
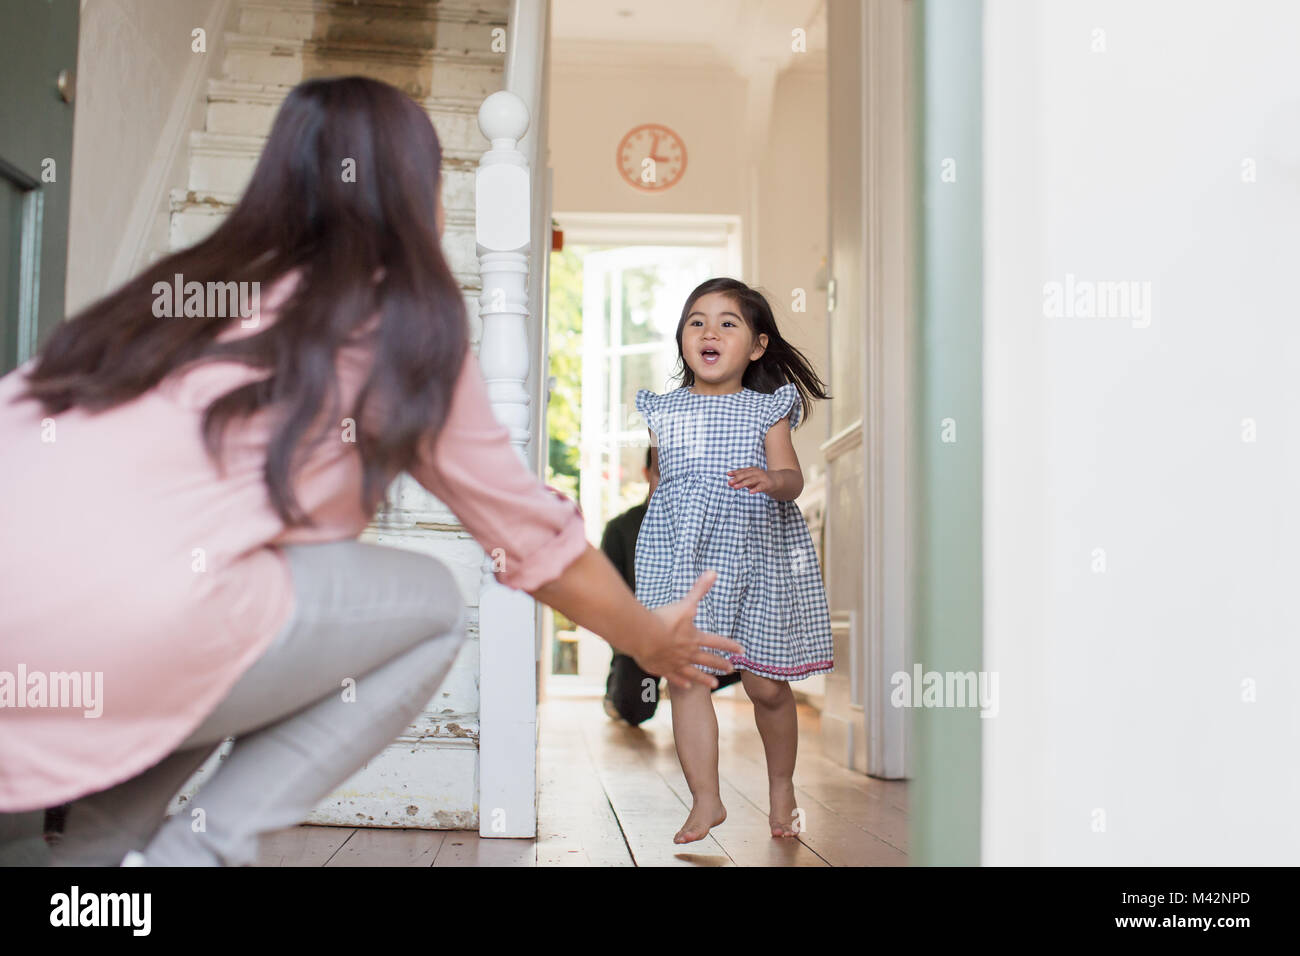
x: 612, y: 795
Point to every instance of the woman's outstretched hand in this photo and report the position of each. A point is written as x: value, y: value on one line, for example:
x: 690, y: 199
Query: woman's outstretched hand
x: 676, y: 657
x: 664, y: 641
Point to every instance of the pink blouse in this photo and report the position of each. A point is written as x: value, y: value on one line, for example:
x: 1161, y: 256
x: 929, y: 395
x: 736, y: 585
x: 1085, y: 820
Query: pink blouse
x: 137, y: 584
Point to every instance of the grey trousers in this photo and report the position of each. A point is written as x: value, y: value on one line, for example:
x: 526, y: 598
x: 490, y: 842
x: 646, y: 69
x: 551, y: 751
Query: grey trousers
x: 391, y: 620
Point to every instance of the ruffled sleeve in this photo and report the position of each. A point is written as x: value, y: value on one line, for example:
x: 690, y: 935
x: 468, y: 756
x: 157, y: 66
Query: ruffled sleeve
x: 647, y: 402
x: 531, y: 530
x: 784, y: 401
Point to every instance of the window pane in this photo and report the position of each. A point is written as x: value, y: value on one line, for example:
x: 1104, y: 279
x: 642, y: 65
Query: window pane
x: 640, y: 287
x: 639, y: 370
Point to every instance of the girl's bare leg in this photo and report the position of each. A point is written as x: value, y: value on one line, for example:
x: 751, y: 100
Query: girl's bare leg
x: 778, y: 725
x: 695, y: 732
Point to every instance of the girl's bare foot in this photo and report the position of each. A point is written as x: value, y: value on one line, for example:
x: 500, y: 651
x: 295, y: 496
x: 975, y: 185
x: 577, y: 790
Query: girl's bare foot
x: 782, y: 816
x: 705, y: 815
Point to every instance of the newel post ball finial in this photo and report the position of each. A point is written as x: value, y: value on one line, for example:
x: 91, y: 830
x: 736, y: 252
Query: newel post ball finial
x: 503, y: 118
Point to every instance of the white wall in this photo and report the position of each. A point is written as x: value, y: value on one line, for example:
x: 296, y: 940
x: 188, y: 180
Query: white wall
x: 593, y: 106
x: 140, y: 90
x: 792, y: 232
x: 1122, y: 692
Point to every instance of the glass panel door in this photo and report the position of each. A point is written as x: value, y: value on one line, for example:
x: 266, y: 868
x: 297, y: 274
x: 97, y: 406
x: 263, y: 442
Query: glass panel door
x: 632, y: 301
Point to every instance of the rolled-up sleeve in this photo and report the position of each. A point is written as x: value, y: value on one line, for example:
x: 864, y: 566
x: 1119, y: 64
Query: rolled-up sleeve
x: 531, y: 531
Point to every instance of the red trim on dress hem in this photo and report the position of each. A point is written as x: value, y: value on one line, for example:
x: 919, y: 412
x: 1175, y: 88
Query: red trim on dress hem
x: 803, y: 669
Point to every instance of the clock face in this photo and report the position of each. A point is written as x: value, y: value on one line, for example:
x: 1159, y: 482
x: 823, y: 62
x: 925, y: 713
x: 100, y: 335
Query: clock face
x: 651, y: 157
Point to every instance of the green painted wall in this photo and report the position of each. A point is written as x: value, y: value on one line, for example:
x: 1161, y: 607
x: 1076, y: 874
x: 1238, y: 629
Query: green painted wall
x: 947, y: 395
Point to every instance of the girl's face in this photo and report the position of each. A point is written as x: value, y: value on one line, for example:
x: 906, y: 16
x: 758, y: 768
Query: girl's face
x: 717, y: 343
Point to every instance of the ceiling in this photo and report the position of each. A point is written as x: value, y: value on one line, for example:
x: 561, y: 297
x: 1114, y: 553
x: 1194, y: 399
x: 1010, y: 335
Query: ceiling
x: 746, y: 35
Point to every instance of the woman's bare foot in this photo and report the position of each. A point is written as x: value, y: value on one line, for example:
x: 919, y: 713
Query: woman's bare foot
x: 783, y: 803
x: 705, y: 815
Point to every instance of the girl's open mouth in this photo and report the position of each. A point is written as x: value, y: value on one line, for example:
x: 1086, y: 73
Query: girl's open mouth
x: 710, y: 356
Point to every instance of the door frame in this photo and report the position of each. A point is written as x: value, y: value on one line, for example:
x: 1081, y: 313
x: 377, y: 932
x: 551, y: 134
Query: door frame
x: 888, y: 126
x: 947, y: 396
x: 36, y: 119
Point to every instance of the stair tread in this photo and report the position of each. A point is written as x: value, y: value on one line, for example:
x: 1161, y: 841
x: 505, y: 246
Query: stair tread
x: 219, y: 203
x: 247, y: 93
x: 444, y: 11
x: 362, y: 48
x: 201, y: 139
x: 243, y: 89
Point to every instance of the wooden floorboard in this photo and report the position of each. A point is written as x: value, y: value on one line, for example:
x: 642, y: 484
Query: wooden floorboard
x: 649, y: 811
x: 302, y: 846
x: 614, y: 795
x: 384, y: 847
x: 833, y: 838
x: 873, y: 812
x: 467, y: 848
x: 744, y: 836
x: 576, y: 826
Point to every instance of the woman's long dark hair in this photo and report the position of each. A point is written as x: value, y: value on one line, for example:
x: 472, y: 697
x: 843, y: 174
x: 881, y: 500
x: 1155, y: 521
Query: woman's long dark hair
x: 346, y: 191
x: 779, y: 364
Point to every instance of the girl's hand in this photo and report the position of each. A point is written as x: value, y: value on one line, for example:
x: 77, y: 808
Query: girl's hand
x: 675, y: 657
x: 753, y: 479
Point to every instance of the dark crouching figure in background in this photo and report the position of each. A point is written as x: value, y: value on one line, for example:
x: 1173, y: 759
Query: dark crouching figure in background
x: 631, y: 694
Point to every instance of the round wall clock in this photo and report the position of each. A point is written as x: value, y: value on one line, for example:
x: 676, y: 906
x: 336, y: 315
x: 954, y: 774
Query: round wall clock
x: 651, y: 141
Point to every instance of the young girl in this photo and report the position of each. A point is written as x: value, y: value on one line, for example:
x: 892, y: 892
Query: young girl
x: 728, y: 477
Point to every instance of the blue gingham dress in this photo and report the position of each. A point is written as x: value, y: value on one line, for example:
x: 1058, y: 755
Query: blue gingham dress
x: 768, y: 595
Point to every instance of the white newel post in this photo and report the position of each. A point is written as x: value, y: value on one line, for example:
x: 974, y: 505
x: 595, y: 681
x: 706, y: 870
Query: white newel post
x: 507, y: 618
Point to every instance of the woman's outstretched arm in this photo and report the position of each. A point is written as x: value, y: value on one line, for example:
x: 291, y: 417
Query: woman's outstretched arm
x: 537, y: 541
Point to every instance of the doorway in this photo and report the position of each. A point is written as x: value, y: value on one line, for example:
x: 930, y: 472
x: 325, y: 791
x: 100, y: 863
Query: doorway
x: 616, y: 292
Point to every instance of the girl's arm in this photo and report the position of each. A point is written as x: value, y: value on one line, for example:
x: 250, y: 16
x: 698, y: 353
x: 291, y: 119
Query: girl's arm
x: 783, y: 463
x: 782, y: 479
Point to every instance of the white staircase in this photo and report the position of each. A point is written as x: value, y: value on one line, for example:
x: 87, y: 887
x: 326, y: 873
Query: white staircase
x: 440, y: 53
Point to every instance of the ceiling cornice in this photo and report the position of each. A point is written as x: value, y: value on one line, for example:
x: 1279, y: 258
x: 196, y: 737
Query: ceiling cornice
x: 582, y: 56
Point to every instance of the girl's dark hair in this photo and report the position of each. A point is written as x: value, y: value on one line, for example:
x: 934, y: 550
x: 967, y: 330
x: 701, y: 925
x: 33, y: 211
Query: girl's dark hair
x: 365, y: 243
x: 779, y: 364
